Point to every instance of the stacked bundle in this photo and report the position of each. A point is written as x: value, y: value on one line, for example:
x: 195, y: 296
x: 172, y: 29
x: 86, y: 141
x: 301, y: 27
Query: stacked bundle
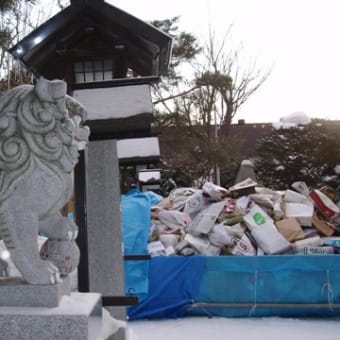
x: 246, y: 220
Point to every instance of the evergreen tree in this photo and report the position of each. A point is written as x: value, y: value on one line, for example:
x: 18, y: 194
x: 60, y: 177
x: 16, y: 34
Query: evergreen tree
x: 17, y: 19
x: 309, y: 153
x: 185, y: 49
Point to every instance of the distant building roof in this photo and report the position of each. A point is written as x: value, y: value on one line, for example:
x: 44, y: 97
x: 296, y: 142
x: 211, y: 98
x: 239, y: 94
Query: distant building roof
x: 249, y: 134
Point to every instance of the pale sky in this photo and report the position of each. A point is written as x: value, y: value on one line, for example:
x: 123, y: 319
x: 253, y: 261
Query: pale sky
x: 299, y: 37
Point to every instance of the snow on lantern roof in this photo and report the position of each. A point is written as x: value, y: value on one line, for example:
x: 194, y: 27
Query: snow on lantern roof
x: 133, y: 149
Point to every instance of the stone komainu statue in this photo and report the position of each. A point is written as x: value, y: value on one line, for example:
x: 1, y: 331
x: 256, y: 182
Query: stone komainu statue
x: 40, y: 134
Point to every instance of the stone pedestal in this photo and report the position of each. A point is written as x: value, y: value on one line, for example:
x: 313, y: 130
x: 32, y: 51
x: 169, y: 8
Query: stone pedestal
x: 14, y: 292
x: 78, y: 317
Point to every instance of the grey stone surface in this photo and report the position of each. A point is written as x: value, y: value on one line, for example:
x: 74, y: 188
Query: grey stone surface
x: 4, y: 268
x: 245, y: 171
x: 39, y: 137
x: 14, y: 292
x: 78, y: 317
x: 119, y: 335
x: 104, y: 222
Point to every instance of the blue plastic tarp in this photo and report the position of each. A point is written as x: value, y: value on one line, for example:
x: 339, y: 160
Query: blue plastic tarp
x: 173, y: 284
x: 284, y: 285
x: 230, y: 286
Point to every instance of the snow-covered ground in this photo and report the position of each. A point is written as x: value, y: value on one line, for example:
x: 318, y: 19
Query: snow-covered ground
x: 217, y: 328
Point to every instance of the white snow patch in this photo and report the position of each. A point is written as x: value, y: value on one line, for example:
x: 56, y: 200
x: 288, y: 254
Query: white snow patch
x: 337, y: 169
x: 4, y: 255
x: 138, y: 147
x: 115, y: 102
x: 110, y: 325
x: 329, y: 178
x: 149, y: 175
x: 218, y: 328
x: 247, y: 162
x: 292, y: 120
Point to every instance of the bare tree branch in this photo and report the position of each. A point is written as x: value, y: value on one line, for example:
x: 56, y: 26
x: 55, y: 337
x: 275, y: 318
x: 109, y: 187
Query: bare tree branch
x: 180, y: 94
x: 223, y: 82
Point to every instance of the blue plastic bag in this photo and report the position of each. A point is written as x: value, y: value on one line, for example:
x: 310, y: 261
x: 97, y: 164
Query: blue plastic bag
x: 136, y: 218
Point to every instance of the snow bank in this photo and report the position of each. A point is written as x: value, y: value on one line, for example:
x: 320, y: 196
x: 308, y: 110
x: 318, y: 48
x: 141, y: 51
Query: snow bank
x: 292, y: 120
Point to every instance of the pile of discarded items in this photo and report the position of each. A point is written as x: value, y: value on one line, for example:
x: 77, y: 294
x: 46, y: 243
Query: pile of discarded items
x: 246, y: 219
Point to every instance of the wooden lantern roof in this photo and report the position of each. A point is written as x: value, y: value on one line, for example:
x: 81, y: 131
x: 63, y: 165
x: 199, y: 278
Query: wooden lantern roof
x: 92, y: 29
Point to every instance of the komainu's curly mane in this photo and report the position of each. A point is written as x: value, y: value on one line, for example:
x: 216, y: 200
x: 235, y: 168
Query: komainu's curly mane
x: 36, y: 125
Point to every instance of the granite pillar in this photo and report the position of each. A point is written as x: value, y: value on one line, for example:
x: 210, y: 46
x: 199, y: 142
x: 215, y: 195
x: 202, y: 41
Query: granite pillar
x: 104, y: 236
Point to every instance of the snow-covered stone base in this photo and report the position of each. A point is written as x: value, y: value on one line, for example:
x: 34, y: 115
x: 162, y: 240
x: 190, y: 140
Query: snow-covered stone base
x: 78, y: 317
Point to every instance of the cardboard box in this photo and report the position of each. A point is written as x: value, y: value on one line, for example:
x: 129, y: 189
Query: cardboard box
x: 290, y: 228
x: 303, y: 212
x: 322, y: 226
x: 324, y: 204
x: 245, y: 187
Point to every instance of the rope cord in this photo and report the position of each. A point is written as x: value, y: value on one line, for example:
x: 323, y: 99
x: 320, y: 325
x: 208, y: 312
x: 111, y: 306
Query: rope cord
x: 329, y: 287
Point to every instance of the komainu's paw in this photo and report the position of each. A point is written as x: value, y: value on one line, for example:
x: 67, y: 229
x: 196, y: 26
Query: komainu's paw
x: 43, y: 273
x: 62, y: 253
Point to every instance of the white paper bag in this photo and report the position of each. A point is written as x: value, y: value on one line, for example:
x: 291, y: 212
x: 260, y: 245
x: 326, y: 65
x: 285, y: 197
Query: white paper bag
x: 195, y: 204
x: 265, y: 233
x: 270, y: 240
x: 257, y: 217
x: 202, y: 245
x: 206, y: 218
x: 219, y: 236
